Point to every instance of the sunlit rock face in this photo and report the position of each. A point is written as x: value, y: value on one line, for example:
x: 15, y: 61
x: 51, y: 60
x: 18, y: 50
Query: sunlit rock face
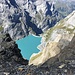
x: 20, y: 18
x: 55, y: 39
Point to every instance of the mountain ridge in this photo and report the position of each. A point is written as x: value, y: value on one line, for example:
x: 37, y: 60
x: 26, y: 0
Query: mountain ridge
x: 15, y: 14
x: 55, y: 39
x: 57, y: 49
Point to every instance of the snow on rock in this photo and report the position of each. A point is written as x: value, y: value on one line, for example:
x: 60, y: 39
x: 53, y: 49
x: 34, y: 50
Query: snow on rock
x: 36, y: 16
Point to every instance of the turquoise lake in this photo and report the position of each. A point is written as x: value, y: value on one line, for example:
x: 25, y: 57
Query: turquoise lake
x: 28, y: 45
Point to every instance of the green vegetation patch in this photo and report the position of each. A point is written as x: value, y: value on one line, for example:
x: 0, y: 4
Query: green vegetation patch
x: 36, y: 56
x: 1, y: 28
x: 49, y: 32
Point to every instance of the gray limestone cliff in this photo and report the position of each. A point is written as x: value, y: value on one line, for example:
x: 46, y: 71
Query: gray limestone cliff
x: 58, y: 56
x: 57, y: 50
x: 55, y: 39
x: 21, y: 18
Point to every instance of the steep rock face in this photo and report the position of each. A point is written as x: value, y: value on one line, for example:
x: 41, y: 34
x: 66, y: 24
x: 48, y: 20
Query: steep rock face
x: 66, y: 56
x: 9, y: 51
x: 20, y: 18
x: 55, y: 39
x: 62, y: 64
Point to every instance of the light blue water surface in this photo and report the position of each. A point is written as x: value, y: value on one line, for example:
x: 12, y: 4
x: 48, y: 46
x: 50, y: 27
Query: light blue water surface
x: 28, y: 45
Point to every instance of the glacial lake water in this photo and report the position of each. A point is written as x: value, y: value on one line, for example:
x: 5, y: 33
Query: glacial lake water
x: 28, y: 45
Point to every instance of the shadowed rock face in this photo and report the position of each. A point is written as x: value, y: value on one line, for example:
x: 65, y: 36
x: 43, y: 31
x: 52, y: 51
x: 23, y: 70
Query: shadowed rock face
x: 9, y: 51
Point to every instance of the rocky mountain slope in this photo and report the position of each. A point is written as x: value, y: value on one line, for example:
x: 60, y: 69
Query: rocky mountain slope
x: 55, y: 40
x: 12, y: 63
x: 21, y: 18
x: 9, y: 51
x: 57, y: 50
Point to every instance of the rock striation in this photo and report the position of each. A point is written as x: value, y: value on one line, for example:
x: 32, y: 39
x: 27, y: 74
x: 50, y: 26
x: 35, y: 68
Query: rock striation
x: 55, y: 39
x: 9, y: 52
x: 57, y: 50
x: 12, y: 63
x: 21, y: 18
x: 62, y: 61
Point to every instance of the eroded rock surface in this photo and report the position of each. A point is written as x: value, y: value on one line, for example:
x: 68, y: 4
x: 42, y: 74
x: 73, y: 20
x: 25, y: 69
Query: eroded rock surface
x: 12, y: 63
x: 55, y: 39
x: 21, y: 18
x: 10, y: 55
